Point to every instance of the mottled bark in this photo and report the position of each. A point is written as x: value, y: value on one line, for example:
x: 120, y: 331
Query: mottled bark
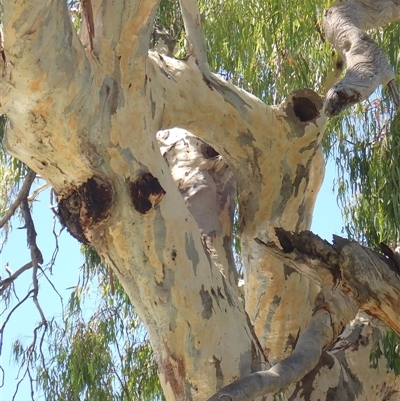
x: 86, y: 119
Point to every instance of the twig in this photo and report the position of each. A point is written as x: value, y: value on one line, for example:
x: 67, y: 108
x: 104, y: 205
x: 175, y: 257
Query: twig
x: 3, y: 326
x: 196, y: 43
x: 30, y: 352
x: 54, y: 288
x: 2, y: 377
x: 37, y: 191
x: 22, y: 194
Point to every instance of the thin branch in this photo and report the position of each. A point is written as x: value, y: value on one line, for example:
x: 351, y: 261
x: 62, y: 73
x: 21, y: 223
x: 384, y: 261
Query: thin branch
x: 29, y: 358
x: 38, y: 191
x: 54, y: 288
x: 196, y: 43
x: 4, y: 284
x: 21, y: 195
x: 3, y: 326
x: 36, y: 255
x: 2, y: 377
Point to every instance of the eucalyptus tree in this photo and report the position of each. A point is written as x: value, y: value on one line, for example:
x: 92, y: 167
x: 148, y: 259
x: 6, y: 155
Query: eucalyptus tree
x: 149, y: 152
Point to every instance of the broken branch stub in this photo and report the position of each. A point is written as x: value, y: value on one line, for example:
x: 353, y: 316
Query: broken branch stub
x: 372, y: 278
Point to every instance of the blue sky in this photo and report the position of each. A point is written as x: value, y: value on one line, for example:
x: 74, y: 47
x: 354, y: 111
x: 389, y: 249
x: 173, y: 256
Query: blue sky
x: 327, y: 221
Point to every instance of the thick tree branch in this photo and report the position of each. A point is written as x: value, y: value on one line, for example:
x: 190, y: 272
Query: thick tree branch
x: 26, y: 35
x: 196, y: 43
x: 373, y: 279
x: 333, y: 311
x: 119, y: 26
x: 367, y: 65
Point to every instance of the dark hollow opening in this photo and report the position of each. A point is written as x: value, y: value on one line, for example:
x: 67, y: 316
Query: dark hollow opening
x: 304, y: 109
x: 208, y: 152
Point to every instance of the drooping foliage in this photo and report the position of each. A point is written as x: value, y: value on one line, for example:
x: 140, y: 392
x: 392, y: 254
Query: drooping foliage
x: 99, y: 350
x: 103, y: 356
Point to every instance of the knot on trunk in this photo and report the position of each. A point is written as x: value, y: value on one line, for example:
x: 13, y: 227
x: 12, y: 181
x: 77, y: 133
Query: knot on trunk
x: 85, y: 207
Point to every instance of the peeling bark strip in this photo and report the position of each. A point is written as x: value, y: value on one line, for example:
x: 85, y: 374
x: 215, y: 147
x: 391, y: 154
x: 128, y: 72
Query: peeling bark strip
x: 146, y: 192
x: 367, y: 65
x: 85, y: 206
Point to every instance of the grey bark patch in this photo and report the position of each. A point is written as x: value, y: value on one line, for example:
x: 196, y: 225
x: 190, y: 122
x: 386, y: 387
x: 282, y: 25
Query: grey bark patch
x: 214, y: 294
x: 292, y: 341
x: 153, y: 105
x: 229, y: 95
x: 312, y: 145
x: 287, y: 270
x: 304, y: 388
x: 218, y: 372
x: 285, y: 192
x: 207, y: 303
x: 169, y: 76
x: 110, y: 95
x: 349, y: 386
x: 302, y: 172
x: 227, y: 292
x: 271, y: 312
x: 85, y: 206
x: 301, y: 210
x: 246, y: 138
x: 191, y: 252
x: 145, y: 192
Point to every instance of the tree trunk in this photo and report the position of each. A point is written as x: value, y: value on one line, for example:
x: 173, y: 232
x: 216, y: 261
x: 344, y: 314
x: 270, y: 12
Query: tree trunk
x: 87, y: 118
